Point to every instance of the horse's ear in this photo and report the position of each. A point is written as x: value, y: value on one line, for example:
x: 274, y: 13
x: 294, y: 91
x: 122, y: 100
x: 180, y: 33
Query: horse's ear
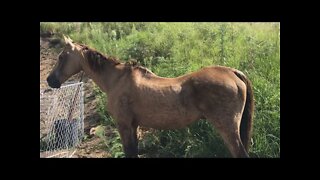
x: 69, y: 42
x: 65, y: 39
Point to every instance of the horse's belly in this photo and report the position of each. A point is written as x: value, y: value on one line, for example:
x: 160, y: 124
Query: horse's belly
x: 164, y: 109
x: 167, y: 118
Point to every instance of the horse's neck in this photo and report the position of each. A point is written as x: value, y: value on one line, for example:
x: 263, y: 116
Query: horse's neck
x: 105, y: 78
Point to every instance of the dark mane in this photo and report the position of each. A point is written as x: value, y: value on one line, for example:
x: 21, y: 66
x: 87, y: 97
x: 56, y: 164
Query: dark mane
x: 144, y: 70
x: 96, y: 60
x: 134, y: 65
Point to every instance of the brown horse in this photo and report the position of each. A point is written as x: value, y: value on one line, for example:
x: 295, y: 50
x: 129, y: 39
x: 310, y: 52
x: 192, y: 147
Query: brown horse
x: 138, y: 97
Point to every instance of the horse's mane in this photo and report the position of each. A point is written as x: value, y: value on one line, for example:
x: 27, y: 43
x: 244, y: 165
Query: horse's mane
x: 144, y: 70
x: 96, y: 60
x: 134, y: 65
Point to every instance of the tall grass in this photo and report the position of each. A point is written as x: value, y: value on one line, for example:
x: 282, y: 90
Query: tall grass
x: 173, y: 49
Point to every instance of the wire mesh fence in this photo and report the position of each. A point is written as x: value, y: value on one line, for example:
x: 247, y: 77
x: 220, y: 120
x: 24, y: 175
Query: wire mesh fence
x: 61, y: 119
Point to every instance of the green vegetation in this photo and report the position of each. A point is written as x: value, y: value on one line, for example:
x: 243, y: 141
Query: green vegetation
x: 173, y: 49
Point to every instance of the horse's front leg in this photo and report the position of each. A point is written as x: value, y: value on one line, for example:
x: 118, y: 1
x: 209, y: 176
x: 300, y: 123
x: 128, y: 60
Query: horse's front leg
x: 126, y: 126
x: 128, y: 134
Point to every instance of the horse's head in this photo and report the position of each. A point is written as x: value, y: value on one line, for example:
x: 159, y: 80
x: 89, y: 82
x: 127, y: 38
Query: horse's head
x: 68, y: 64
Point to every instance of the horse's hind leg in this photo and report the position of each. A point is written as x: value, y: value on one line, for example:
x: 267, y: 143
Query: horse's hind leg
x: 229, y: 131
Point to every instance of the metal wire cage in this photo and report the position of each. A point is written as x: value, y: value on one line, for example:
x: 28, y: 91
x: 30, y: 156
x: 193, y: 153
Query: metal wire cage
x: 61, y: 119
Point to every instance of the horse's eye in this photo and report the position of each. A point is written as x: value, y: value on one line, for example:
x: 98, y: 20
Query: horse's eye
x: 64, y: 56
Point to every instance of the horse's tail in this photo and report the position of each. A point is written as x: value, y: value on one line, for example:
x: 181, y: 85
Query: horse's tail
x: 247, y: 115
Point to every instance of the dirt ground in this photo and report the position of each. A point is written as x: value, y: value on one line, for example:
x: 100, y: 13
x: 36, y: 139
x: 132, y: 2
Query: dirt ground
x: 92, y: 146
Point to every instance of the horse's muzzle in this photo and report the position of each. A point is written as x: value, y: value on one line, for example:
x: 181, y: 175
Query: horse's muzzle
x: 53, y: 82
